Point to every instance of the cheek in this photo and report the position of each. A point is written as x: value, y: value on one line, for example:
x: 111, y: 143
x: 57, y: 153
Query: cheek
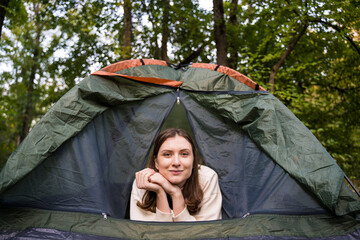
x: 189, y: 163
x: 162, y: 163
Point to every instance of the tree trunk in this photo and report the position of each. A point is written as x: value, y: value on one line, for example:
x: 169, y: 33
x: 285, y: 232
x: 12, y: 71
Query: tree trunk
x: 220, y: 33
x: 233, y: 60
x: 154, y: 48
x: 3, y: 5
x: 294, y: 40
x: 29, y: 108
x: 127, y: 30
x: 165, y: 31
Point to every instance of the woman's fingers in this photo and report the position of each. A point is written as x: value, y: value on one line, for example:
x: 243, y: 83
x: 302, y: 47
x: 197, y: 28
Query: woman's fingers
x: 158, y: 178
x: 164, y: 183
x: 143, y: 180
x: 150, y: 180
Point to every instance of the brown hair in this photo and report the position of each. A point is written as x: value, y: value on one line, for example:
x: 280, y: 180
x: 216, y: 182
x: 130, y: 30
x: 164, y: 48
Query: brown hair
x: 192, y: 191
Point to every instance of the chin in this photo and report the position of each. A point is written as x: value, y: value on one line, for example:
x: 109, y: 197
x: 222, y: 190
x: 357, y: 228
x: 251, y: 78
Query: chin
x: 175, y: 182
x: 179, y: 183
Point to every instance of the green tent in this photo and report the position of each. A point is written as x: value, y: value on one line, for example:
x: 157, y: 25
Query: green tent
x: 71, y: 177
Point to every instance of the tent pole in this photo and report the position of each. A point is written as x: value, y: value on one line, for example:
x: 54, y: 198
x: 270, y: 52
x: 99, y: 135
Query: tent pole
x: 352, y: 185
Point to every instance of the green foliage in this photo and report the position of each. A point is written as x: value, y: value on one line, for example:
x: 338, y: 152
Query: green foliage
x: 189, y: 27
x: 319, y: 80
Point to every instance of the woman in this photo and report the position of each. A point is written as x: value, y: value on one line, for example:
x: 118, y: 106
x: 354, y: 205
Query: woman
x: 174, y: 187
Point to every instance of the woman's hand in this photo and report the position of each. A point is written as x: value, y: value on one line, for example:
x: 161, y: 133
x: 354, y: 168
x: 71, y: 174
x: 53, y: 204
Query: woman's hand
x: 143, y: 180
x: 150, y: 180
x: 169, y: 188
x: 173, y: 190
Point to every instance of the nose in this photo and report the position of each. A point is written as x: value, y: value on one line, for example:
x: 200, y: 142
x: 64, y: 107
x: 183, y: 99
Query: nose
x: 176, y: 160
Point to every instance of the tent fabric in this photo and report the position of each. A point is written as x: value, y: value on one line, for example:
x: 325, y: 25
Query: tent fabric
x: 79, y: 161
x: 284, y: 138
x: 159, y: 81
x: 85, y: 174
x: 46, y: 234
x: 115, y: 135
x: 39, y: 233
x: 231, y: 73
x: 118, y: 66
x: 252, y: 227
x: 67, y: 118
x: 250, y: 181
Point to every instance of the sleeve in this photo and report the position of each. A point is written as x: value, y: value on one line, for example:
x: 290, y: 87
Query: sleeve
x: 184, y: 216
x: 139, y: 214
x: 212, y: 201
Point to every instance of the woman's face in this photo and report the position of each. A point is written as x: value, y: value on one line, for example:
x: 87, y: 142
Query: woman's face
x: 175, y: 160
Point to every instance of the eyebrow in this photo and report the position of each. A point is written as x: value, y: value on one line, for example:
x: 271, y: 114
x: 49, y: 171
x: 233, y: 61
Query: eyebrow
x: 184, y: 149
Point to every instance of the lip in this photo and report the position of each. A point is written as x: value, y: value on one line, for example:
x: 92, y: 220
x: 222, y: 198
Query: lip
x: 175, y: 172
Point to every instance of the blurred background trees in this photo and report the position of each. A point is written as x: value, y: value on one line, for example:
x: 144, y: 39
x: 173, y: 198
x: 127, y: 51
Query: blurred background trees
x: 307, y: 53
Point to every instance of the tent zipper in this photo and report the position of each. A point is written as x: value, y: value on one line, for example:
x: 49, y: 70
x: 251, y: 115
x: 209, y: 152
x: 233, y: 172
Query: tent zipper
x: 178, y: 95
x: 246, y: 215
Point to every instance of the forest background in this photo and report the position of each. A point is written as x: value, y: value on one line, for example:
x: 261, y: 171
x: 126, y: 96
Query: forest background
x: 306, y: 52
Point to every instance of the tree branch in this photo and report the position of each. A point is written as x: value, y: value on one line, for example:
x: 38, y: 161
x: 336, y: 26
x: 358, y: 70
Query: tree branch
x: 295, y: 39
x: 339, y: 30
x: 333, y: 26
x: 192, y: 56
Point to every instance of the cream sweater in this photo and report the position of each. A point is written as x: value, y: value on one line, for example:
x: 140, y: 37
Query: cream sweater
x: 210, y: 205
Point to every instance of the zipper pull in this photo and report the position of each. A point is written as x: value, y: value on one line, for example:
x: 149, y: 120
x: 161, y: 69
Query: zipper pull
x: 247, y: 214
x: 178, y: 96
x: 105, y: 216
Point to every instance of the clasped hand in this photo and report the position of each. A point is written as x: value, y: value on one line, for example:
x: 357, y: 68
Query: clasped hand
x: 151, y: 180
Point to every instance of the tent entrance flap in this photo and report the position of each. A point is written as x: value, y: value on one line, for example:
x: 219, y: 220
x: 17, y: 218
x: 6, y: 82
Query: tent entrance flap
x: 250, y: 181
x: 94, y: 170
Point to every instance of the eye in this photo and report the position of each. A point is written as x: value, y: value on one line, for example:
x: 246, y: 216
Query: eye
x: 185, y: 154
x: 166, y: 154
